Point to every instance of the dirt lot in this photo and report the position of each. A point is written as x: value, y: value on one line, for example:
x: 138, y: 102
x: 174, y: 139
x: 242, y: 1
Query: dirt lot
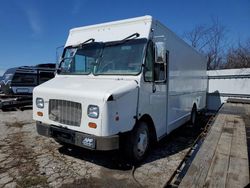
x: 30, y: 160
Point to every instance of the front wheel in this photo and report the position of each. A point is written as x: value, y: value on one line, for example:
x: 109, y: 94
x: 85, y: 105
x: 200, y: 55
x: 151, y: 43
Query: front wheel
x: 138, y: 142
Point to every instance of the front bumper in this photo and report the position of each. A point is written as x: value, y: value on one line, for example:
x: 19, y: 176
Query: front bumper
x: 77, y: 138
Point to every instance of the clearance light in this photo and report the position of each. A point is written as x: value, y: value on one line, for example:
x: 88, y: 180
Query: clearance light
x: 40, y: 114
x: 92, y: 125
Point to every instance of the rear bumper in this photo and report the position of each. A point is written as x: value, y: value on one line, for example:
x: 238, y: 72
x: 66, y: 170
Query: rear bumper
x: 78, y: 138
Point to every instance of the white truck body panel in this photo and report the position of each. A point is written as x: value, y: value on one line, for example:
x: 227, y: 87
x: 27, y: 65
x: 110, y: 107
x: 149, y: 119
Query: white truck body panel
x: 187, y: 80
x: 169, y: 106
x: 222, y: 84
x: 111, y: 31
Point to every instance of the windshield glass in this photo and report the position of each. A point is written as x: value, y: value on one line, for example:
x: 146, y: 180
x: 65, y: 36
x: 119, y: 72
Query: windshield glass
x: 121, y: 58
x: 80, y: 60
x: 112, y: 58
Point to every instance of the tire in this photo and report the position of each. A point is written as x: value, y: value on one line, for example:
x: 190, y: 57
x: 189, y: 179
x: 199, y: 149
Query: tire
x: 138, y: 142
x: 193, y: 118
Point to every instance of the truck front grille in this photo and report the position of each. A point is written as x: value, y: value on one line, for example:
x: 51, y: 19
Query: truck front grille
x: 65, y: 112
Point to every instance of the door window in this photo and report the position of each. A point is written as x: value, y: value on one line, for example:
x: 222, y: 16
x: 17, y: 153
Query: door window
x: 148, y: 69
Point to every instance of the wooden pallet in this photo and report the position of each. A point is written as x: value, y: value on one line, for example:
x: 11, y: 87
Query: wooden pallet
x: 222, y: 160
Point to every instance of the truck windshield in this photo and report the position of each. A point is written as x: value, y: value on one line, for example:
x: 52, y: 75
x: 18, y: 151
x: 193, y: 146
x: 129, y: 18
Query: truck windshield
x: 111, y: 58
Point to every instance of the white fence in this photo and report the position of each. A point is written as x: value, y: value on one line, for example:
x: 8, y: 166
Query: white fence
x: 222, y: 84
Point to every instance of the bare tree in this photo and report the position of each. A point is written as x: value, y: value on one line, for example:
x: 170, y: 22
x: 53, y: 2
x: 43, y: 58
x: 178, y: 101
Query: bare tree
x: 209, y: 40
x: 216, y: 45
x: 198, y: 37
x: 239, y: 57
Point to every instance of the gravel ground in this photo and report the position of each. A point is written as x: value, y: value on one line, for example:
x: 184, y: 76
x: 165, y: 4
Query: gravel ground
x: 30, y: 160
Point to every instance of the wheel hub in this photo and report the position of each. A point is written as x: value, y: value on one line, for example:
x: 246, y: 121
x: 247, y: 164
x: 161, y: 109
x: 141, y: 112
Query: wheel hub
x: 142, y: 143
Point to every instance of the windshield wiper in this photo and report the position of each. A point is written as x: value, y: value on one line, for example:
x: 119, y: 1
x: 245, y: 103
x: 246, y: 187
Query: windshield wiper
x: 135, y: 35
x: 85, y: 42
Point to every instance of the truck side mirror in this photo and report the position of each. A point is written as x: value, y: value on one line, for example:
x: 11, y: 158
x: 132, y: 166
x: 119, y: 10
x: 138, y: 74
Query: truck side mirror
x: 160, y: 51
x: 160, y: 62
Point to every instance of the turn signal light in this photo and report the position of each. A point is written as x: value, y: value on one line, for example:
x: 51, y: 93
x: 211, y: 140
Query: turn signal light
x: 92, y: 125
x: 40, y: 114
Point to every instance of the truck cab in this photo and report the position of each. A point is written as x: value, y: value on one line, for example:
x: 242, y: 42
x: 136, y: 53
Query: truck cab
x: 112, y: 86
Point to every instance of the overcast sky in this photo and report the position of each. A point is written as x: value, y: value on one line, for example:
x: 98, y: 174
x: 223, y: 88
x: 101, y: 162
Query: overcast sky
x: 30, y: 30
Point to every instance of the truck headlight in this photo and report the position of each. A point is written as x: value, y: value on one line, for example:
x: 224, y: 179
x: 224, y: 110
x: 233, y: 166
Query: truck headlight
x: 93, y: 111
x: 39, y: 103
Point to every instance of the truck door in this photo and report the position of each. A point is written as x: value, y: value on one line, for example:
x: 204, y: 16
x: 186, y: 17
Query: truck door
x: 155, y: 86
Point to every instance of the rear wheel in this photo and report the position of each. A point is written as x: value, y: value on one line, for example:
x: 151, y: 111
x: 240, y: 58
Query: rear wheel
x: 139, y: 142
x: 193, y: 117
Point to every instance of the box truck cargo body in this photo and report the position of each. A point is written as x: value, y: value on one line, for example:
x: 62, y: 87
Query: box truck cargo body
x: 121, y: 84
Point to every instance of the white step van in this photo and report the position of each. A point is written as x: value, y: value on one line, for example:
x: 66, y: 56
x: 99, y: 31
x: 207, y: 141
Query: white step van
x: 131, y: 81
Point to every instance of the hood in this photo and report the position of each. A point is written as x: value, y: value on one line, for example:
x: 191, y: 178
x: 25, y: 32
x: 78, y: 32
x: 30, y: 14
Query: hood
x: 78, y: 86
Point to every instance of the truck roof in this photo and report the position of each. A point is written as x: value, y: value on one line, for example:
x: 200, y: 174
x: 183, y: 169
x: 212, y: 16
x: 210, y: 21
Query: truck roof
x: 111, y: 31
